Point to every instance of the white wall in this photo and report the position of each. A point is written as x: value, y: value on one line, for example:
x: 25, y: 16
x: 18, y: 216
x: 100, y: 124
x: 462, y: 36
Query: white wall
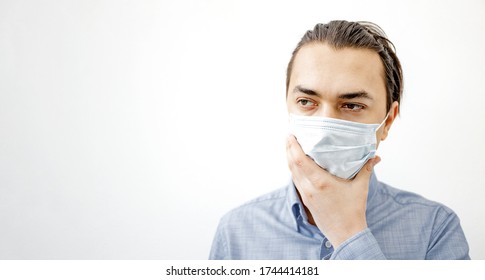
x: 128, y: 128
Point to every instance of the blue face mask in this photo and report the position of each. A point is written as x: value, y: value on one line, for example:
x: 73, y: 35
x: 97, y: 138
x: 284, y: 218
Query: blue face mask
x: 338, y: 146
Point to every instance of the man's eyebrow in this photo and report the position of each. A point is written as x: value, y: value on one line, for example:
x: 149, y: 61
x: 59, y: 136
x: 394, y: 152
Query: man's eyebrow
x: 347, y: 96
x: 305, y: 91
x: 353, y: 95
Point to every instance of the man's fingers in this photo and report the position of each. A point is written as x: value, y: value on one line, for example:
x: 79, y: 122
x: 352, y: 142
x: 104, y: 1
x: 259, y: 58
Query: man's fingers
x: 295, y: 155
x: 301, y: 166
x: 294, y: 150
x: 366, y: 171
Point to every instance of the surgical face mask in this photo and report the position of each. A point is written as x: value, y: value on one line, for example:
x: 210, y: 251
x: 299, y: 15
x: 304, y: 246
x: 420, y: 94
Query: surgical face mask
x: 341, y: 147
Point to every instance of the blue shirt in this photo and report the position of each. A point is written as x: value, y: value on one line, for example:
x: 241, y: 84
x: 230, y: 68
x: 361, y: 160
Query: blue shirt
x: 401, y: 225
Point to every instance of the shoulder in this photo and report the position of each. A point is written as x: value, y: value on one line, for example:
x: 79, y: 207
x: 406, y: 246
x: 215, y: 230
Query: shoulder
x: 430, y: 222
x: 412, y: 205
x: 404, y: 198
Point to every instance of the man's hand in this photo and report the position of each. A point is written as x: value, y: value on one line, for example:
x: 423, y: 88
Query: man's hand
x: 336, y: 205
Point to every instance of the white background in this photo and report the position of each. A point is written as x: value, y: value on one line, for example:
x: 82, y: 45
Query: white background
x: 128, y: 128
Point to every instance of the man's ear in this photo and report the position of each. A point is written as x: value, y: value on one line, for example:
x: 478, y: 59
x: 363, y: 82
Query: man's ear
x: 393, y: 112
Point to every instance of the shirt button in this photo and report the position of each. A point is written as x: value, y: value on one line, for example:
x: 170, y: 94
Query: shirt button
x: 328, y: 244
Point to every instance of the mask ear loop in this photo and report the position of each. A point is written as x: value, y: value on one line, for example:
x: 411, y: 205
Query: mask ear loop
x: 379, y: 127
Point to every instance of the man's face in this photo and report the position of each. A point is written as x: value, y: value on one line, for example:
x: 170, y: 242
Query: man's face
x: 346, y: 84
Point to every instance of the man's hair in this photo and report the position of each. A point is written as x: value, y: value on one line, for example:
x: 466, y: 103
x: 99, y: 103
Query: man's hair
x: 361, y: 35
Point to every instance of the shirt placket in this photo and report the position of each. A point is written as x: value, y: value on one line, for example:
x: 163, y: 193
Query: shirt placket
x: 326, y: 249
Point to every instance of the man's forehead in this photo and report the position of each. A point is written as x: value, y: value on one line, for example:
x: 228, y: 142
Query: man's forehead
x: 322, y: 68
x: 323, y: 56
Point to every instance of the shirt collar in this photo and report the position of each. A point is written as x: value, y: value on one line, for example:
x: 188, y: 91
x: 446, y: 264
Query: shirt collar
x: 295, y: 206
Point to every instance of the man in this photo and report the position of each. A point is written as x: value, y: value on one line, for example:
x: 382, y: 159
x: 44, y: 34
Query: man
x: 343, y: 88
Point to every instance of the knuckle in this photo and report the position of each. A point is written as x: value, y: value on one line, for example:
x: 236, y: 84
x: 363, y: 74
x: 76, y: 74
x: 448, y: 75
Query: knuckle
x: 368, y: 168
x: 318, y: 180
x: 320, y: 184
x: 312, y: 194
x: 296, y: 161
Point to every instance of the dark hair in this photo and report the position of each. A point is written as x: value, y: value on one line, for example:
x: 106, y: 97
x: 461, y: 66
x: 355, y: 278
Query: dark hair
x: 343, y: 34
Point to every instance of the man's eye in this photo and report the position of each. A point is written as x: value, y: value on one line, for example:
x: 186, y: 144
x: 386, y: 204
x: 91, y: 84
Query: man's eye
x: 306, y: 103
x: 353, y: 107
